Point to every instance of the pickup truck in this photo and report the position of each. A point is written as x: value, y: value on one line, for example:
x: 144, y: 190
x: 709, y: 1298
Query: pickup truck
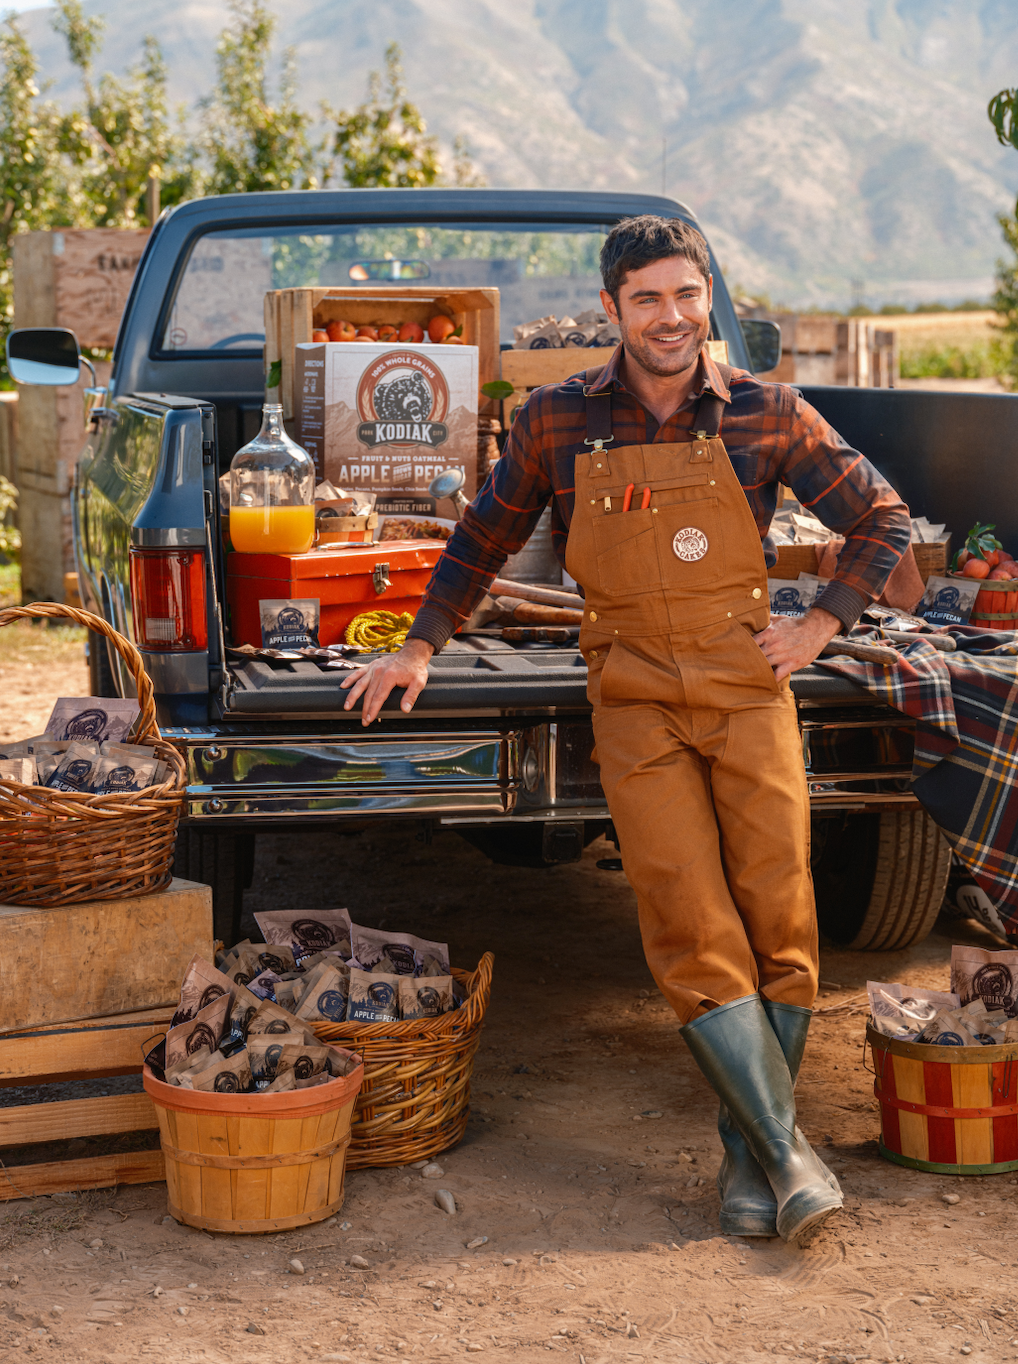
x: 498, y: 747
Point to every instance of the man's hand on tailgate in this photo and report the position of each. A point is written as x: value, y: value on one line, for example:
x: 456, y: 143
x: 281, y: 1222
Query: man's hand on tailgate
x: 407, y: 668
x: 793, y: 642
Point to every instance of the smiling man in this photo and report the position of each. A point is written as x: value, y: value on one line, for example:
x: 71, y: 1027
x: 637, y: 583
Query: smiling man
x: 662, y: 469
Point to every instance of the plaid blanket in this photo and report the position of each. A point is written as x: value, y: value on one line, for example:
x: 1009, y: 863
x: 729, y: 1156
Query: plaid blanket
x: 965, y: 769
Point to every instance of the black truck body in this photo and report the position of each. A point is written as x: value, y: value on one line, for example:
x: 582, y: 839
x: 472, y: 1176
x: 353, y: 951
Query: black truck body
x: 498, y: 746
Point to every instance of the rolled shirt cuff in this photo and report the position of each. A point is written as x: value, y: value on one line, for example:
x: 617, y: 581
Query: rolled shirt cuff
x: 432, y: 625
x: 842, y: 601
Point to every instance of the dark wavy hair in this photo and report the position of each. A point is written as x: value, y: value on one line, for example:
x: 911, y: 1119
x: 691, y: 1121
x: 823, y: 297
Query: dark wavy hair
x: 637, y: 242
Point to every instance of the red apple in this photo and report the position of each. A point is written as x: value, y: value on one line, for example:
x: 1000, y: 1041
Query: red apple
x: 411, y: 331
x: 976, y: 568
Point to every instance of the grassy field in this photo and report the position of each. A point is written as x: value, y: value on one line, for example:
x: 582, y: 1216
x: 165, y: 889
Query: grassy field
x: 949, y: 345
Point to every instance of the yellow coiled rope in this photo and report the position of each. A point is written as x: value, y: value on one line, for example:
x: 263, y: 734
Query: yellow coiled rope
x: 379, y: 631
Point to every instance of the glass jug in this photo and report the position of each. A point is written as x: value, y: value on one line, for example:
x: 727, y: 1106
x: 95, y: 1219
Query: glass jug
x: 272, y: 492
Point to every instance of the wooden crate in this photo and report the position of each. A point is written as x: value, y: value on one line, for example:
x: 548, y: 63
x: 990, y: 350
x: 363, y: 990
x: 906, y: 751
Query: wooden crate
x: 77, y: 278
x: 292, y: 314
x: 100, y: 958
x: 95, y: 1048
x: 530, y: 369
x: 931, y: 560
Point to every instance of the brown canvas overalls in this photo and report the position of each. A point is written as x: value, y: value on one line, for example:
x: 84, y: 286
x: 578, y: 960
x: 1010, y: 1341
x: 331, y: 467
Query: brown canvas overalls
x: 698, y: 745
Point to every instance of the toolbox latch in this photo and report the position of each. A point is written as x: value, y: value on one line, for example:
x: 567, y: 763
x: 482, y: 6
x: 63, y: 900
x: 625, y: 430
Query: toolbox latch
x: 381, y: 579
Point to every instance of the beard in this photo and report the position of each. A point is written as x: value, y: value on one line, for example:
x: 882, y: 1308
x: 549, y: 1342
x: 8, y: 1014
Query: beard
x: 664, y: 366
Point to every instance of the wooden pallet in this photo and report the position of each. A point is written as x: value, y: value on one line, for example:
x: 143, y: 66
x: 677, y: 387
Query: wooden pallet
x: 95, y: 1048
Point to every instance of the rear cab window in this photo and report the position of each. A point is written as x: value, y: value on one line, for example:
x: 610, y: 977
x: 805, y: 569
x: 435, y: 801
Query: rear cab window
x: 539, y: 269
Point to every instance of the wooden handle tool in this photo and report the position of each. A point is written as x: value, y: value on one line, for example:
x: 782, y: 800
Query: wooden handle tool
x: 865, y: 653
x: 545, y: 596
x: 535, y: 613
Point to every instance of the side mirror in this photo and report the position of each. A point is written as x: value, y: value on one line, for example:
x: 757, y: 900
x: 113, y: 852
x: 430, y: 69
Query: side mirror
x: 43, y: 355
x: 763, y: 341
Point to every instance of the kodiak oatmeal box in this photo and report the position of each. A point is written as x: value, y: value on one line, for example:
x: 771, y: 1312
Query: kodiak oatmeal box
x: 387, y: 419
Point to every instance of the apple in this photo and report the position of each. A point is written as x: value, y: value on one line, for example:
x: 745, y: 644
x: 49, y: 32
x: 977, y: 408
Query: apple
x: 453, y: 341
x: 366, y: 334
x: 387, y: 332
x: 319, y: 334
x: 1005, y: 571
x: 340, y: 331
x: 976, y: 568
x: 411, y: 331
x: 440, y: 327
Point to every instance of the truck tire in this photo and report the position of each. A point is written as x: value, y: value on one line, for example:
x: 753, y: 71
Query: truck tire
x: 224, y: 861
x: 880, y: 879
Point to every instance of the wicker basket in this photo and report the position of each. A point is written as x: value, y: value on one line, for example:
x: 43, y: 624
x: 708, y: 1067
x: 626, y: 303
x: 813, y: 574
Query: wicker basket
x: 63, y: 848
x: 416, y: 1093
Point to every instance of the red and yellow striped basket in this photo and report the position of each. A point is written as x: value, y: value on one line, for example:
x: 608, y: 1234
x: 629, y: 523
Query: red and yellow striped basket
x: 950, y: 1110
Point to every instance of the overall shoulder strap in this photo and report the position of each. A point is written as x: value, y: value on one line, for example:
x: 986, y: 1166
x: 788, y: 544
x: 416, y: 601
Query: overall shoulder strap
x: 599, y: 409
x: 710, y: 409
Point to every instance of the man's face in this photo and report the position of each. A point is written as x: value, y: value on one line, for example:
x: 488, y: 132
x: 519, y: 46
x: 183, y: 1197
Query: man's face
x: 663, y: 314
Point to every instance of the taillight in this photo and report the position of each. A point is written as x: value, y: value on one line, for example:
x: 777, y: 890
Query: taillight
x: 168, y: 599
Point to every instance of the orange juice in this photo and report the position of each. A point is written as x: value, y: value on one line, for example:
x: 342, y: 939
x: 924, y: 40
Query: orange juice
x: 272, y: 530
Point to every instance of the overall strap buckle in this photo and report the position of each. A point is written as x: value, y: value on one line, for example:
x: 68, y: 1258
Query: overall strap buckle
x: 599, y: 418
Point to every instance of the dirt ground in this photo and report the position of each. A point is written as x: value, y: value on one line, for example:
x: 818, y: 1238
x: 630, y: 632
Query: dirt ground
x: 589, y: 1166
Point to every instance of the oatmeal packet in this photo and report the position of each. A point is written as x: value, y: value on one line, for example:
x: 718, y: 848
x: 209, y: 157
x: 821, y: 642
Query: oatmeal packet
x: 306, y: 932
x: 271, y: 1055
x: 202, y: 984
x: 290, y: 624
x: 374, y: 997
x: 204, y: 1030
x: 21, y: 770
x: 272, y: 1020
x: 76, y: 768
x: 325, y: 996
x: 187, y: 1063
x: 425, y: 997
x: 977, y: 973
x: 224, y: 1074
x: 92, y: 719
x: 902, y: 1011
x: 398, y: 954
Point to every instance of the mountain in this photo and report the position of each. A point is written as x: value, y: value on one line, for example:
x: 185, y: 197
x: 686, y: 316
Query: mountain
x: 832, y: 149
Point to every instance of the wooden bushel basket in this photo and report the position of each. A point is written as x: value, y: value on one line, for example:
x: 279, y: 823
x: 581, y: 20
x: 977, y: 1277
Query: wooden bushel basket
x: 246, y: 1163
x: 416, y: 1095
x: 949, y: 1110
x: 64, y: 848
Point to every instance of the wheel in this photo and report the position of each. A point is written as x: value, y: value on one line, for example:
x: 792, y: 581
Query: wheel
x: 100, y: 674
x: 224, y: 861
x: 879, y: 878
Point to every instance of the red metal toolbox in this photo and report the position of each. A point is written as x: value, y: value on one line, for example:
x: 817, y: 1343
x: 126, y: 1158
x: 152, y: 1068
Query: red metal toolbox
x: 345, y: 581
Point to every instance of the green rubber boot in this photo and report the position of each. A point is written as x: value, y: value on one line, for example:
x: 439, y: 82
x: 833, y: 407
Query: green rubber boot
x: 738, y: 1049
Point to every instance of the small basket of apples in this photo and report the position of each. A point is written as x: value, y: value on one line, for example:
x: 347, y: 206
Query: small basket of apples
x: 984, y: 558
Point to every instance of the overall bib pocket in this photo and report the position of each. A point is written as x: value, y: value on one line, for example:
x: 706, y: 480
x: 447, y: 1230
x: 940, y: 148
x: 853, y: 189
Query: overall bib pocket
x: 690, y: 543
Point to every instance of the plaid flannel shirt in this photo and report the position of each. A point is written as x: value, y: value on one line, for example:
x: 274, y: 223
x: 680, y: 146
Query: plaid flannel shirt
x: 772, y: 436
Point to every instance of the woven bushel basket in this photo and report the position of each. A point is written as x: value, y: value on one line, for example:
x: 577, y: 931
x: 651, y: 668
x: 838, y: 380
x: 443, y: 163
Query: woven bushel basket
x: 64, y: 848
x: 415, y: 1098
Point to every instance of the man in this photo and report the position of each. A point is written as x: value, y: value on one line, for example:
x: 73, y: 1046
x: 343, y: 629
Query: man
x: 662, y: 522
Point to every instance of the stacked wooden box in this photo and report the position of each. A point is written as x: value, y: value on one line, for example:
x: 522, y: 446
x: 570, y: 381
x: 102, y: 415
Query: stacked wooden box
x: 85, y: 991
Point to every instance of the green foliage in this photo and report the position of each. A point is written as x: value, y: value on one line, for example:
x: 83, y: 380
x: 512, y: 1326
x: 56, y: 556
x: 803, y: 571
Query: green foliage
x: 384, y: 142
x: 498, y: 389
x: 93, y: 165
x: 1003, y: 113
x: 978, y: 360
x: 248, y: 142
x: 10, y: 536
x: 122, y: 136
